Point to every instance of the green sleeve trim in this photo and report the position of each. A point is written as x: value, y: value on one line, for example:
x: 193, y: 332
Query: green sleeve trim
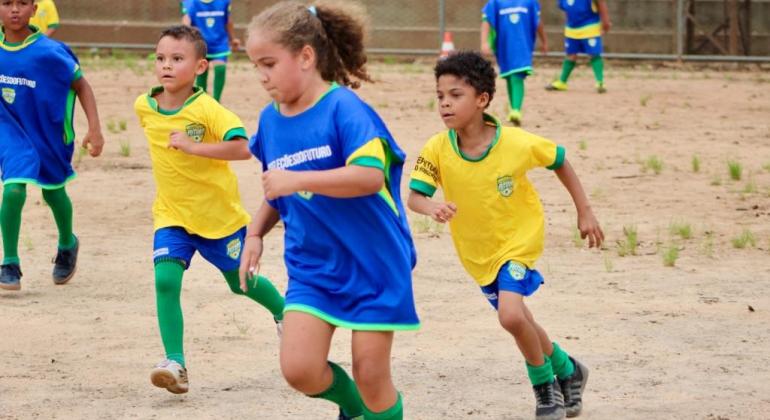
x: 369, y: 162
x: 560, y: 152
x: 53, y: 26
x: 69, y: 112
x: 235, y: 133
x: 78, y: 74
x: 422, y: 187
x: 350, y: 325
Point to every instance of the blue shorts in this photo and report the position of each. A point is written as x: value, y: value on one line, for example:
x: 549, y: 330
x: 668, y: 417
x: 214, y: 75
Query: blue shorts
x: 513, y: 277
x: 590, y: 46
x: 176, y: 244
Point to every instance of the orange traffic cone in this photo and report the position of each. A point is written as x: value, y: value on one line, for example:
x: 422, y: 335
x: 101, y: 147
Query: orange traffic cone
x: 448, y: 46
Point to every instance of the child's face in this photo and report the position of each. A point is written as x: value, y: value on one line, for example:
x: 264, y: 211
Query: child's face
x: 15, y: 14
x: 282, y: 73
x: 177, y: 64
x: 458, y: 102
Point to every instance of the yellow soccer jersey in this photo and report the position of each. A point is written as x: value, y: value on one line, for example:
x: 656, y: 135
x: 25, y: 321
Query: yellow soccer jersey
x: 46, y: 16
x: 499, y: 215
x: 196, y: 193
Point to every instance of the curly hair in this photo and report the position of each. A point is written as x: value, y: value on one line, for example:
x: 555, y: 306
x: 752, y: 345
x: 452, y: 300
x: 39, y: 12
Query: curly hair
x: 470, y: 66
x: 335, y: 30
x: 189, y: 34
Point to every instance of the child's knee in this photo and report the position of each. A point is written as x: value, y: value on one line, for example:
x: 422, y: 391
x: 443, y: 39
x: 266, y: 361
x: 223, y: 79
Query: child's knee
x: 14, y: 193
x: 303, y: 374
x: 512, y: 320
x: 370, y: 373
x: 167, y: 283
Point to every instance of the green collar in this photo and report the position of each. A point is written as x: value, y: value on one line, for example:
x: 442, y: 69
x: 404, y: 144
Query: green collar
x: 15, y: 46
x: 488, y: 119
x: 197, y: 91
x: 333, y: 86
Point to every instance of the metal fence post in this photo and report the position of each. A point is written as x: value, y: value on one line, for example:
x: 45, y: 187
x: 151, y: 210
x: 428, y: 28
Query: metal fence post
x: 679, y: 29
x: 441, y: 20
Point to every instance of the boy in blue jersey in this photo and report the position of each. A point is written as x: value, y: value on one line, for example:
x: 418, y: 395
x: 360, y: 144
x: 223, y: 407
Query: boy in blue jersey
x: 508, y: 29
x: 212, y: 18
x: 39, y: 80
x: 587, y: 21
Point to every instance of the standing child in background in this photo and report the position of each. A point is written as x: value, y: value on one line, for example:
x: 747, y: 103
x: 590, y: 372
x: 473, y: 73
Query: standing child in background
x: 587, y: 20
x: 197, y: 206
x: 212, y: 18
x: 39, y: 80
x: 332, y: 173
x: 496, y: 218
x: 508, y: 29
x: 46, y: 18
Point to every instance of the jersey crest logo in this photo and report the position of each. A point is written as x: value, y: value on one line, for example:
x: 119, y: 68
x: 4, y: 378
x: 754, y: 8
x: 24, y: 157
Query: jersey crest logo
x: 195, y: 131
x: 307, y: 195
x: 514, y: 17
x: 592, y: 42
x: 210, y: 22
x: 505, y: 185
x: 517, y: 271
x: 9, y: 95
x: 571, y: 2
x: 234, y: 249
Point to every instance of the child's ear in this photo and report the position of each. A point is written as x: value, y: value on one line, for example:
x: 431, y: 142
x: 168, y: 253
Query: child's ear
x: 483, y: 100
x: 307, y: 57
x: 202, y: 66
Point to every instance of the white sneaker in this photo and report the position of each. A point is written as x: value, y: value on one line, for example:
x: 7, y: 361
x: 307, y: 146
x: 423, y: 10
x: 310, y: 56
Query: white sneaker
x: 171, y: 375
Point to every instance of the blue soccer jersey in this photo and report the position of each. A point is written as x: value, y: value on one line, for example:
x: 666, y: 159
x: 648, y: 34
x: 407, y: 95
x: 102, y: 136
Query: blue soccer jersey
x: 513, y: 28
x: 583, y: 19
x: 349, y: 260
x: 211, y: 18
x: 36, y: 133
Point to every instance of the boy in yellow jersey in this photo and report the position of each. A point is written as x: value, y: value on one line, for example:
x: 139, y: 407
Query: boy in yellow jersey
x: 496, y: 217
x: 46, y: 18
x: 197, y: 206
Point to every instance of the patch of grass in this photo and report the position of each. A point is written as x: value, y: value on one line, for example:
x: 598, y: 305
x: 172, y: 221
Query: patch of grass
x: 29, y: 245
x: 750, y: 187
x: 78, y: 157
x: 243, y: 327
x: 630, y: 241
x: 681, y: 229
x: 735, y: 169
x: 431, y: 104
x: 583, y: 145
x: 644, y: 99
x: 122, y: 125
x: 654, y: 164
x: 745, y: 239
x: 112, y: 127
x: 125, y: 148
x: 608, y: 266
x: 766, y: 167
x: 716, y: 180
x: 670, y: 255
x: 695, y: 163
x: 389, y: 60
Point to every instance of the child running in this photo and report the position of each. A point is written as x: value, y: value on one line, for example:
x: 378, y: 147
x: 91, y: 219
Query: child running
x: 46, y: 17
x: 508, y: 29
x: 212, y: 18
x: 331, y: 174
x: 587, y: 21
x: 496, y: 218
x: 197, y: 206
x: 39, y: 80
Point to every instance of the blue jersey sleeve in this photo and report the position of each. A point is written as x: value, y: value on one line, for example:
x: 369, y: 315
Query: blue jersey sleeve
x: 355, y: 125
x: 489, y: 13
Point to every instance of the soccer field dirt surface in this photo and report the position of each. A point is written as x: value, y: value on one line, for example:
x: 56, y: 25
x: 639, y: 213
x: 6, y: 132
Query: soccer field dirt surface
x: 682, y: 342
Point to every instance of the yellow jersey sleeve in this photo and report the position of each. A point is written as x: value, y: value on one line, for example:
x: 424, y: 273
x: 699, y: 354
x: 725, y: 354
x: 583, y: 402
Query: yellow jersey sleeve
x: 426, y: 177
x: 372, y: 155
x: 46, y: 16
x: 224, y: 124
x: 544, y: 152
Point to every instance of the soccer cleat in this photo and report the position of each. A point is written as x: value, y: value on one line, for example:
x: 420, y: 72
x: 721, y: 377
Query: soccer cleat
x: 514, y: 117
x: 342, y: 416
x: 171, y: 375
x: 557, y: 85
x: 10, y: 277
x: 550, y: 401
x: 279, y: 327
x: 573, y: 387
x: 600, y: 87
x: 65, y: 264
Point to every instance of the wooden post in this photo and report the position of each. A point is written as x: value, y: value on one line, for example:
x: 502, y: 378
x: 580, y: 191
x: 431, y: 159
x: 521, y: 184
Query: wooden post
x: 732, y: 10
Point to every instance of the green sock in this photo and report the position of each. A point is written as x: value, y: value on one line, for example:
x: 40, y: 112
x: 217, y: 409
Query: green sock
x: 202, y: 80
x: 566, y: 69
x: 260, y: 291
x: 598, y: 65
x: 61, y: 206
x: 14, y: 196
x: 393, y: 413
x: 343, y: 392
x: 539, y: 375
x: 515, y: 91
x: 220, y: 74
x: 562, y: 366
x: 168, y: 286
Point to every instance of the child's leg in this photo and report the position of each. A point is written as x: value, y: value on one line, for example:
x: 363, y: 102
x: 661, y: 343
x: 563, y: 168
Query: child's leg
x: 61, y: 206
x: 560, y: 363
x: 371, y: 370
x: 220, y: 74
x: 14, y: 196
x: 168, y: 286
x: 261, y: 290
x: 304, y: 351
x: 512, y: 316
x: 202, y: 80
x: 515, y: 84
x: 567, y: 66
x: 597, y: 64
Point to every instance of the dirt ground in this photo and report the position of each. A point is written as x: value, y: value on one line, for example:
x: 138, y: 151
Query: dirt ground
x: 682, y: 342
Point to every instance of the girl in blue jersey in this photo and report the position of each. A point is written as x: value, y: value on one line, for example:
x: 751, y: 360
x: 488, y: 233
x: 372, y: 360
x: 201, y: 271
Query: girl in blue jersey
x: 39, y: 80
x: 508, y: 29
x: 331, y: 173
x: 212, y: 18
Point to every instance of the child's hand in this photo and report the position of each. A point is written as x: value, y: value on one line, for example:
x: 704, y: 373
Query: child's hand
x: 443, y: 212
x: 486, y: 51
x: 235, y: 44
x: 544, y: 46
x: 606, y: 26
x: 279, y: 183
x: 180, y: 141
x: 589, y: 226
x: 249, y: 269
x: 94, y: 142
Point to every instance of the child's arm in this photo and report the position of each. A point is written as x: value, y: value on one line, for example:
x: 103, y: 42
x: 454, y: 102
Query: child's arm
x: 263, y: 222
x: 486, y: 49
x: 587, y: 223
x: 235, y: 149
x: 93, y: 141
x: 186, y: 20
x: 235, y: 43
x: 541, y: 35
x: 604, y: 15
x: 346, y: 182
x: 440, y: 212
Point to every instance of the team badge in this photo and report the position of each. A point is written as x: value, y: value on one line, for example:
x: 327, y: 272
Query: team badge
x: 234, y: 249
x: 505, y: 185
x: 571, y: 2
x: 210, y: 22
x: 592, y: 42
x: 195, y: 131
x: 9, y: 95
x: 307, y: 195
x: 514, y: 17
x: 517, y: 271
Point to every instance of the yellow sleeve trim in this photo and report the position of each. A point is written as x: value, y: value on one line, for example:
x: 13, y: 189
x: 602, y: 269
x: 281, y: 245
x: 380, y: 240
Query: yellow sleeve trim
x: 367, y: 154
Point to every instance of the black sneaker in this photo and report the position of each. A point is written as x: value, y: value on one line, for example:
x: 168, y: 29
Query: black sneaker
x: 342, y: 416
x: 65, y: 264
x: 550, y: 402
x: 10, y: 277
x: 573, y: 387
